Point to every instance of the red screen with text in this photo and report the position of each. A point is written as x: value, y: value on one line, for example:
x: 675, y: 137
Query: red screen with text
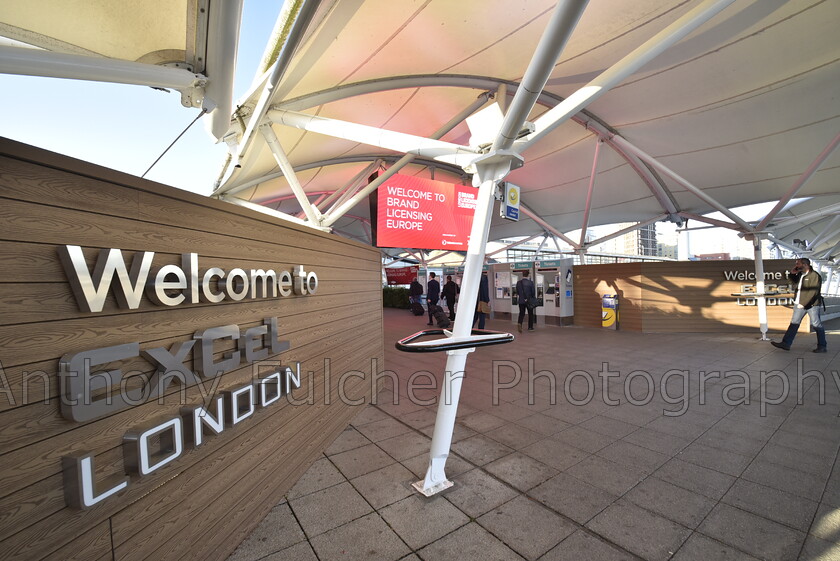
x: 422, y: 213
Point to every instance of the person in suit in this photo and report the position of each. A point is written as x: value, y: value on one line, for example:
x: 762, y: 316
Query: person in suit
x: 483, y: 298
x: 525, y: 290
x: 450, y: 292
x: 432, y: 296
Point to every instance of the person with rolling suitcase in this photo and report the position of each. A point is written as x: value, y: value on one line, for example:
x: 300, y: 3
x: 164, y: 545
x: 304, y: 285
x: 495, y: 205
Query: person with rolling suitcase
x: 432, y: 296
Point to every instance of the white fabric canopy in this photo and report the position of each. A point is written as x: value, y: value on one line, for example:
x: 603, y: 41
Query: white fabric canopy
x: 740, y: 108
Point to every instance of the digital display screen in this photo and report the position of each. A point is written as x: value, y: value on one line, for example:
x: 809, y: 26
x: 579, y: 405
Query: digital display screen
x: 419, y: 213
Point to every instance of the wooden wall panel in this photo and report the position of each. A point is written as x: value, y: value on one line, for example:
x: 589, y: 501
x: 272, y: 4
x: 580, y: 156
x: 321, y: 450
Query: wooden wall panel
x: 688, y: 296
x: 210, y: 497
x: 593, y: 281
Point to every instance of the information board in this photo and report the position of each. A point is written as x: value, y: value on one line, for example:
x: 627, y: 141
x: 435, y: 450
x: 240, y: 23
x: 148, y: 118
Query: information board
x: 420, y: 213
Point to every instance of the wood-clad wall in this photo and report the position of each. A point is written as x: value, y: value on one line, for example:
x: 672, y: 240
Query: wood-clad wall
x: 204, y: 503
x: 688, y: 296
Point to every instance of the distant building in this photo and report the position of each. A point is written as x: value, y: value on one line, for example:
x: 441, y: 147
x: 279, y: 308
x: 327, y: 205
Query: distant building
x: 713, y: 257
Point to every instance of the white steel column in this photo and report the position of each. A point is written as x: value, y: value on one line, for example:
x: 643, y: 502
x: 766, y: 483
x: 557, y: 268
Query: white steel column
x: 684, y: 182
x: 585, y: 223
x: 548, y: 227
x: 829, y: 228
x: 488, y: 173
x: 624, y: 68
x: 514, y: 244
x: 759, y: 286
x: 490, y: 169
x: 812, y: 169
x: 340, y: 210
x: 312, y: 213
x: 628, y: 229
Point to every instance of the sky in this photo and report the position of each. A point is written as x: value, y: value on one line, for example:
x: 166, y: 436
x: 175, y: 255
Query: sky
x: 126, y: 127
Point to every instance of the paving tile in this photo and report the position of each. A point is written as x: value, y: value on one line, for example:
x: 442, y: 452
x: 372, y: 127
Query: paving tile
x: 555, y: 454
x: 509, y: 411
x: 299, y: 552
x: 638, y: 457
x: 362, y: 539
x: 667, y: 444
x: 811, y: 445
x: 582, y: 546
x: 647, y: 535
x: 701, y: 548
x: 572, y: 497
x: 675, y: 503
x: 707, y: 482
x: 818, y: 466
x: 752, y: 534
x: 677, y: 426
x: 572, y: 414
x: 277, y: 531
x: 771, y: 503
x: 367, y: 415
x: 382, y: 429
x: 420, y: 521
x: 476, y: 492
x: 816, y: 549
x: 718, y: 460
x: 520, y: 471
x: 609, y: 427
x: 482, y: 422
x: 604, y: 474
x: 320, y: 475
x: 328, y: 509
x: 406, y: 445
x: 826, y: 524
x: 584, y: 439
x: 526, y: 526
x: 738, y: 443
x: 470, y: 543
x: 514, y: 436
x: 349, y: 439
x: 543, y: 424
x: 421, y: 418
x: 480, y: 449
x: 785, y: 479
x: 385, y: 486
x: 418, y: 465
x: 360, y: 461
x: 459, y: 433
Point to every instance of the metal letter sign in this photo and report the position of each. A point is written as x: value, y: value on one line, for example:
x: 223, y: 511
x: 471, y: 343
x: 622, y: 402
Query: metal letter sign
x: 510, y: 204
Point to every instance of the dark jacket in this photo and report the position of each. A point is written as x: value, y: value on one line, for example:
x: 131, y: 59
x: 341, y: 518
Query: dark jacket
x: 525, y: 290
x: 450, y: 291
x: 809, y: 295
x: 433, y: 291
x: 415, y: 289
x: 484, y: 289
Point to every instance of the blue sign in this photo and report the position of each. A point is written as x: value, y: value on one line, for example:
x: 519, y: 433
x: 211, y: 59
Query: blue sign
x: 511, y: 213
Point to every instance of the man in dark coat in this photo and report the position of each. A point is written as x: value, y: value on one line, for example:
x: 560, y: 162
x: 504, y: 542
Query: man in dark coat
x: 449, y: 293
x: 483, y: 301
x: 415, y: 291
x: 525, y: 290
x: 808, y: 284
x: 432, y: 296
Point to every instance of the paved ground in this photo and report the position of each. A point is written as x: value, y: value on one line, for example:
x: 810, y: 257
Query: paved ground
x: 722, y: 480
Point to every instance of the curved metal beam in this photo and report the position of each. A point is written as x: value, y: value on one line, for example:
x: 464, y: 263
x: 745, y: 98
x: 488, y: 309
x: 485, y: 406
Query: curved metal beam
x: 583, y: 118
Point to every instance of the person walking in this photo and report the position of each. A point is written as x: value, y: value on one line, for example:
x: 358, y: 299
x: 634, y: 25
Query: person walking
x: 432, y: 296
x: 808, y: 300
x: 482, y: 306
x: 415, y: 291
x: 525, y: 291
x: 449, y: 293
